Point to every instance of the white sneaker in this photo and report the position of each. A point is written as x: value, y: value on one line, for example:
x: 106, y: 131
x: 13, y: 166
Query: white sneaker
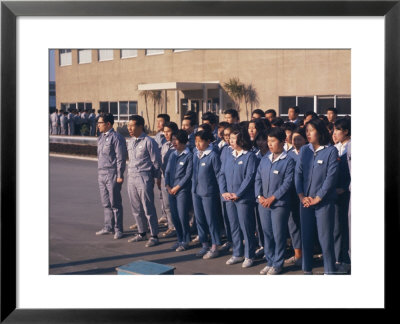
x: 274, y: 271
x: 265, y: 270
x: 137, y: 238
x: 247, y: 263
x: 234, y: 259
x: 118, y: 235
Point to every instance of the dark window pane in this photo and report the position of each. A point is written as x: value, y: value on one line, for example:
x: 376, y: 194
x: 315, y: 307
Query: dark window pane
x: 323, y: 104
x: 104, y: 106
x: 285, y: 103
x: 72, y: 106
x: 88, y: 105
x: 305, y: 104
x: 123, y: 107
x: 114, y: 108
x: 123, y: 117
x: 343, y: 106
x: 132, y: 108
x: 81, y: 106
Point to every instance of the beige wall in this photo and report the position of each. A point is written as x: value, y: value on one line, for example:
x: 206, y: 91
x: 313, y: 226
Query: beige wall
x: 273, y: 73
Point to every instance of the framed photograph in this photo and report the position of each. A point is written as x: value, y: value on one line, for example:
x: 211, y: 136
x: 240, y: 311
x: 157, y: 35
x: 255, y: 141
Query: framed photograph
x: 370, y: 29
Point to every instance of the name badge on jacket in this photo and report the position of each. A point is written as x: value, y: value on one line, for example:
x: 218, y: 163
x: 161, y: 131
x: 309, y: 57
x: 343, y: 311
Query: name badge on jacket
x: 276, y: 171
x: 203, y: 164
x: 181, y: 163
x: 320, y: 161
x: 240, y: 162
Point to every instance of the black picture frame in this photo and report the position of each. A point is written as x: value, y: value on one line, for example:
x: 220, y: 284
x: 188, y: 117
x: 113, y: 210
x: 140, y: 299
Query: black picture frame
x: 10, y: 10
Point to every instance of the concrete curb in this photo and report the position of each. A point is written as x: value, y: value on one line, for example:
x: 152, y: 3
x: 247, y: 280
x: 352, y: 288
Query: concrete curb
x: 87, y: 158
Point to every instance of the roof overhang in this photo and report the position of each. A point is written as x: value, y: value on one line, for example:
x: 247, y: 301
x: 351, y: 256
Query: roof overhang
x: 179, y: 86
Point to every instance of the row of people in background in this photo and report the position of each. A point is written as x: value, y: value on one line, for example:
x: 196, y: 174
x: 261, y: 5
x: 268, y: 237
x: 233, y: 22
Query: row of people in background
x: 74, y: 122
x: 254, y: 182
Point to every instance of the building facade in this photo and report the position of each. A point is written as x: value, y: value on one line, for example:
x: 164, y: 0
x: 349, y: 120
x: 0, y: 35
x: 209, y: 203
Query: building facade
x: 149, y: 82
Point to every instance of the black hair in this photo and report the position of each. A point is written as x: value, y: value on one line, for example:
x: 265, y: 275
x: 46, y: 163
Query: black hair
x: 191, y: 114
x: 288, y: 126
x: 278, y: 133
x: 335, y: 111
x: 310, y: 113
x: 139, y: 119
x: 278, y: 122
x: 258, y: 112
x: 324, y: 119
x: 267, y: 124
x: 302, y: 132
x: 260, y: 126
x: 165, y: 117
x: 192, y: 120
x: 206, y: 127
x: 205, y: 135
x: 232, y: 112
x: 181, y: 136
x: 108, y: 118
x: 223, y: 124
x: 263, y: 135
x: 319, y: 125
x: 243, y: 138
x: 271, y: 111
x: 212, y: 118
x: 173, y: 126
x: 296, y: 109
x: 343, y: 124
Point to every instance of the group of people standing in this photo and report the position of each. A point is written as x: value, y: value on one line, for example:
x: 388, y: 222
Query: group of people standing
x: 250, y: 184
x: 74, y: 122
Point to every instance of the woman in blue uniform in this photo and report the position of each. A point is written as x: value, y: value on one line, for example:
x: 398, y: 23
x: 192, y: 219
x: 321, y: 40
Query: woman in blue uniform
x: 342, y: 133
x: 299, y: 139
x: 206, y: 166
x: 178, y: 183
x: 315, y: 179
x: 272, y: 188
x: 236, y: 181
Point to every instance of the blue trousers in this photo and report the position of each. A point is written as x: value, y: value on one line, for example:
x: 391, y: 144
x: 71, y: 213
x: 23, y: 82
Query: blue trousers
x: 318, y: 219
x: 294, y: 223
x: 226, y: 220
x: 274, y: 225
x: 341, y: 229
x: 110, y: 194
x: 179, y: 205
x: 205, y: 212
x: 260, y: 234
x: 242, y: 221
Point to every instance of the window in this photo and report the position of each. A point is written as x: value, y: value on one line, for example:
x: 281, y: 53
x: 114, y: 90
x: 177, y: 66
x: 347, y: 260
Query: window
x: 324, y: 102
x: 126, y: 53
x: 306, y: 103
x: 84, y: 56
x: 106, y: 55
x: 81, y: 106
x: 343, y: 105
x: 65, y: 57
x: 154, y: 51
x: 181, y: 50
x: 285, y: 103
x: 121, y: 110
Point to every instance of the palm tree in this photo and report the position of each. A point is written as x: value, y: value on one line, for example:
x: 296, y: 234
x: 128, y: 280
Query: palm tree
x: 236, y: 90
x: 145, y: 94
x: 251, y: 97
x: 156, y: 97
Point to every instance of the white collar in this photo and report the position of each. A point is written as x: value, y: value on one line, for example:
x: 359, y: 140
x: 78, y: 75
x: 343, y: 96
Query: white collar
x: 206, y: 152
x: 185, y: 151
x: 108, y: 132
x: 239, y: 153
x: 286, y: 147
x: 342, y: 148
x: 295, y: 151
x: 221, y: 144
x: 318, y: 149
x: 280, y: 157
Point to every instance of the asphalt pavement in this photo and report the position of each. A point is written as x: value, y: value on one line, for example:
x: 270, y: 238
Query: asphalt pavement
x: 76, y: 214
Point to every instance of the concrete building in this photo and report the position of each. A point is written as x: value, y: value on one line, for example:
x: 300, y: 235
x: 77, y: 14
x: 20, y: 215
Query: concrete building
x: 115, y: 80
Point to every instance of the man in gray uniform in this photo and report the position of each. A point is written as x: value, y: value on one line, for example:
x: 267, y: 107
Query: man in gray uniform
x: 111, y: 152
x: 144, y: 166
x: 64, y: 123
x: 54, y: 122
x: 71, y: 123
